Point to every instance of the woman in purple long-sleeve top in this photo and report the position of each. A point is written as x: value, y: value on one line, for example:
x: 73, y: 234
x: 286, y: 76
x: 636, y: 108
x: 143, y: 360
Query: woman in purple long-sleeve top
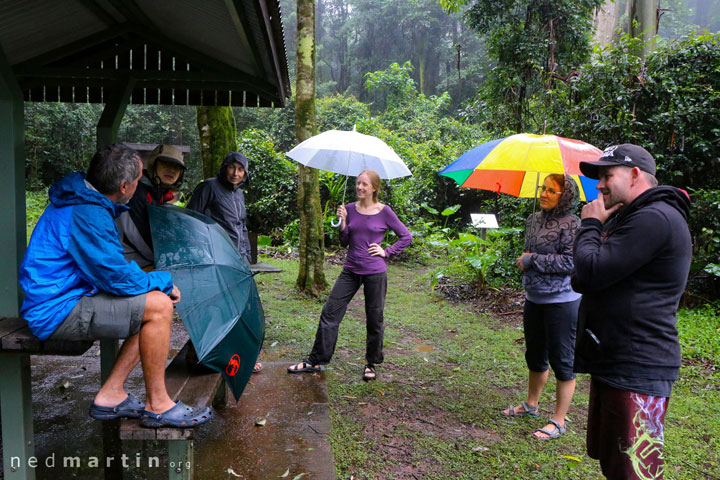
x: 362, y: 228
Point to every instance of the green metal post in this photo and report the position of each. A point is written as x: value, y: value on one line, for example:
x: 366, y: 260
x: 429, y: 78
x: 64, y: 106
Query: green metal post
x: 107, y: 130
x: 180, y: 460
x: 17, y: 422
x: 12, y: 189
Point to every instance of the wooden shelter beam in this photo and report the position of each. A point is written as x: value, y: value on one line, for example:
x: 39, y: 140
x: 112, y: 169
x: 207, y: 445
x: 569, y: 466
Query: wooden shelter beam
x: 99, y: 12
x: 238, y: 14
x: 112, y: 115
x: 75, y: 47
x: 264, y: 19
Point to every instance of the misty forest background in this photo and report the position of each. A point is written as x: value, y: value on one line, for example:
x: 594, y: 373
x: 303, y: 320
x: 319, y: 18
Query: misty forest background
x: 435, y: 78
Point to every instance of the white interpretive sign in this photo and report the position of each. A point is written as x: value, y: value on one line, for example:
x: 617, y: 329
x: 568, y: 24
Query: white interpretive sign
x: 484, y: 220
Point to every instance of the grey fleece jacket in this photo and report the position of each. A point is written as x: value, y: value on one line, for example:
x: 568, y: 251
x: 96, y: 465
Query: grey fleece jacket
x: 549, y: 237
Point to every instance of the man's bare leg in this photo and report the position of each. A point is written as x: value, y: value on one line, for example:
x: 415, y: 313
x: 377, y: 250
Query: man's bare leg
x: 154, y: 349
x: 152, y: 346
x: 113, y: 391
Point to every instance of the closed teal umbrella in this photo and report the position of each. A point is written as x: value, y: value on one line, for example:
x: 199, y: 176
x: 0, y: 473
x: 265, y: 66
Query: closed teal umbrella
x: 219, y: 305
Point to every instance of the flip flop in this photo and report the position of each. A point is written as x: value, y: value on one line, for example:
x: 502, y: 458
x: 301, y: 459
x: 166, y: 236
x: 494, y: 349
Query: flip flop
x: 304, y: 367
x: 528, y: 411
x: 131, y: 407
x: 179, y: 416
x: 257, y: 368
x: 552, y: 434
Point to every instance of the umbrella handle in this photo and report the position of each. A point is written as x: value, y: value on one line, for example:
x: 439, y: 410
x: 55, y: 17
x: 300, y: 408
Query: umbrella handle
x: 335, y: 222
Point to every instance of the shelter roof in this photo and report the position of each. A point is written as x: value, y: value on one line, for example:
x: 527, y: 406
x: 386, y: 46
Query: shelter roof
x: 178, y: 52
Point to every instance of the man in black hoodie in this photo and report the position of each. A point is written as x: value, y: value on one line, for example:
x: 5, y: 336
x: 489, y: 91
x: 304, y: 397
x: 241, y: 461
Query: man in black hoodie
x: 632, y: 257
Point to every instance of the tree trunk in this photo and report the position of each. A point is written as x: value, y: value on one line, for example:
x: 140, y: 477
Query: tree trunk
x: 702, y: 13
x: 605, y: 21
x: 216, y: 126
x: 311, y: 275
x: 643, y: 18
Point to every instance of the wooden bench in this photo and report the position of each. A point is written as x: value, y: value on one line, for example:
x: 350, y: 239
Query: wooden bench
x: 17, y: 344
x: 194, y: 386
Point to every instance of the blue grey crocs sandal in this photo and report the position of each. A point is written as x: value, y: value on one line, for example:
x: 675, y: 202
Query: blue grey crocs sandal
x: 131, y: 407
x: 179, y: 416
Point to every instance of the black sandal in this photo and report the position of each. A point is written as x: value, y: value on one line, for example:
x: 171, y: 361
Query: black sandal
x: 303, y: 367
x: 369, y: 373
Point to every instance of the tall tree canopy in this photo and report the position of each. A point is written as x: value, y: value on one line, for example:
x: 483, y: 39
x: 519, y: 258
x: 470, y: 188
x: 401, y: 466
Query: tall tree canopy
x: 532, y: 42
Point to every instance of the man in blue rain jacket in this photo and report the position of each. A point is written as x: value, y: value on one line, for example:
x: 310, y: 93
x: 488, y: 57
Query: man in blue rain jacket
x: 78, y: 286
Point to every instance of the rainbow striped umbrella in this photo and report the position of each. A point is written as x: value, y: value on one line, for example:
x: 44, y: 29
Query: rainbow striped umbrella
x: 518, y: 164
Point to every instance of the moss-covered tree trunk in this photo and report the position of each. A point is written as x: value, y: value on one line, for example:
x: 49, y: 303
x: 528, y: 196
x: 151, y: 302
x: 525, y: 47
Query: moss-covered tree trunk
x: 311, y: 275
x: 218, y: 137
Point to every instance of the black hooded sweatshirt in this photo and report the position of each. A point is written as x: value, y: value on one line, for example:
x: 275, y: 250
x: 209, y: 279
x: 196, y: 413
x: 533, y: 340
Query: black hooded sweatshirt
x: 224, y: 202
x: 632, y: 272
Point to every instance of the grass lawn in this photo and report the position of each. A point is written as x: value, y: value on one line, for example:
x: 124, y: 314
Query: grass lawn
x: 448, y: 371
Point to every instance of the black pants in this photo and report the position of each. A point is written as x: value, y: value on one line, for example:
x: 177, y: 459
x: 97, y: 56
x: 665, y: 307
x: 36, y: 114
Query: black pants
x: 347, y: 284
x: 550, y: 337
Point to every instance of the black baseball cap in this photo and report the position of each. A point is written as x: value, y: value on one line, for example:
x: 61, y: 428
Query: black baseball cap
x: 627, y: 154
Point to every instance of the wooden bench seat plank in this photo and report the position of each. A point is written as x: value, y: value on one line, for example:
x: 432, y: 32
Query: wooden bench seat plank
x: 8, y: 325
x: 16, y: 337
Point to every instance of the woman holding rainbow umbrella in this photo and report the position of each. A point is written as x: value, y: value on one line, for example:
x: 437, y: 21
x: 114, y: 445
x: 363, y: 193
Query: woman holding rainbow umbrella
x: 514, y: 165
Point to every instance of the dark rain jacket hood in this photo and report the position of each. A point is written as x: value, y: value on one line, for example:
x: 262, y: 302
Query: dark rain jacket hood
x: 233, y: 157
x: 549, y: 239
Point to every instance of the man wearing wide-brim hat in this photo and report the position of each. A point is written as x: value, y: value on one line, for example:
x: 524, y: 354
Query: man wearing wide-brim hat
x: 632, y: 257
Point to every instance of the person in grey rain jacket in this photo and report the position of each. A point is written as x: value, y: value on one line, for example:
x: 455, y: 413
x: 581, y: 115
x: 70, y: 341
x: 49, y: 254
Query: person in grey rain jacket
x: 551, y: 305
x: 221, y: 198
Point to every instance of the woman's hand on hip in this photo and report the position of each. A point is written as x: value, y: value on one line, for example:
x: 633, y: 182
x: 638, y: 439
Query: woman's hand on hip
x: 376, y: 250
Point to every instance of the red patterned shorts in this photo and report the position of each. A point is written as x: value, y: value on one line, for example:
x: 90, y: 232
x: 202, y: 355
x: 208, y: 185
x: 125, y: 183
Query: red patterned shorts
x: 626, y: 432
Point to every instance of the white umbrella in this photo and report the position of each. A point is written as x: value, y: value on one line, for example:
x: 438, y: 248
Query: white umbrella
x: 349, y: 153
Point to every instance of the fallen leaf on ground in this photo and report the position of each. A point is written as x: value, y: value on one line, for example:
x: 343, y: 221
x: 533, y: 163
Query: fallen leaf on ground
x: 570, y: 457
x: 298, y: 477
x: 232, y: 472
x: 259, y: 422
x: 480, y: 449
x: 287, y: 472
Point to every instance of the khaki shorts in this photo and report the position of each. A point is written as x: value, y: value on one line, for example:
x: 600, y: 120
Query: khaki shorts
x: 102, y: 317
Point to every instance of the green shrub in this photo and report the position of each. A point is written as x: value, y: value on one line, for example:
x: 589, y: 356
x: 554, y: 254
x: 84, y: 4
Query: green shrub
x: 271, y: 197
x: 699, y: 330
x: 35, y: 203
